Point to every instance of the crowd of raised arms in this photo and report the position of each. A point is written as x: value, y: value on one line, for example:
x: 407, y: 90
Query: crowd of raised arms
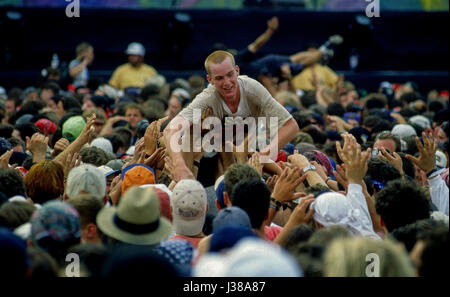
x: 93, y: 170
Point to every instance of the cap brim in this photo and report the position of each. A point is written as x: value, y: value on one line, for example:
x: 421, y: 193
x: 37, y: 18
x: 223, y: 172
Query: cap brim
x: 105, y: 221
x: 134, y: 53
x: 188, y: 228
x: 113, y: 172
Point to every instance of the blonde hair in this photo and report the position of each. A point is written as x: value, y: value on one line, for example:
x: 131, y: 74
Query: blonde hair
x: 218, y: 57
x: 347, y: 258
x: 82, y: 47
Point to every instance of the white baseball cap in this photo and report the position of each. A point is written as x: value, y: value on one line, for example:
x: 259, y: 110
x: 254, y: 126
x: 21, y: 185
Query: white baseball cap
x: 86, y: 178
x: 441, y: 159
x: 104, y: 144
x: 135, y: 48
x: 189, y: 206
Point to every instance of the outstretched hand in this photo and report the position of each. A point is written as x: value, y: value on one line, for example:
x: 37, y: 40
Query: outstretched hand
x: 89, y: 130
x: 427, y: 153
x: 355, y: 161
x: 286, y: 184
x: 4, y: 159
x: 301, y: 214
x: 72, y: 161
x: 273, y: 23
x: 394, y: 159
x: 152, y: 134
x: 37, y: 145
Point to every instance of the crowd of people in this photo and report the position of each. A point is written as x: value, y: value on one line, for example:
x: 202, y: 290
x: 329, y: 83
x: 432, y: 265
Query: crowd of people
x: 92, y: 169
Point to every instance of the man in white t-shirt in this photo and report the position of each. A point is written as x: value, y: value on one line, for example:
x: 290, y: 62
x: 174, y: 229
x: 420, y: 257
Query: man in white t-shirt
x: 230, y: 95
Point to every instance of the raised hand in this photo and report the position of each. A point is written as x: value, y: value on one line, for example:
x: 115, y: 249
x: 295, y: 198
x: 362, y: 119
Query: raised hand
x: 139, y: 153
x: 320, y: 171
x: 355, y: 161
x: 273, y: 23
x: 89, y: 130
x: 271, y: 181
x: 72, y: 161
x: 116, y: 190
x: 155, y: 158
x: 170, y: 168
x: 240, y: 152
x: 37, y: 145
x: 4, y: 159
x: 60, y: 146
x: 298, y: 160
x: 152, y: 135
x: 393, y: 159
x: 301, y: 214
x: 427, y: 153
x: 341, y: 176
x: 286, y: 184
x: 254, y: 162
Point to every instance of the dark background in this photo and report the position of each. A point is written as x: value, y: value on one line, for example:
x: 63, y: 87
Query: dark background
x: 398, y: 46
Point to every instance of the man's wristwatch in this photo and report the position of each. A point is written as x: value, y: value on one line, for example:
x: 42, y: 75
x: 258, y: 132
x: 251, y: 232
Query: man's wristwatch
x: 310, y: 167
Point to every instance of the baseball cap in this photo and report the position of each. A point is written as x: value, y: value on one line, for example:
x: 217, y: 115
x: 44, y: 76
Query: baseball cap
x: 403, y: 131
x: 24, y: 119
x: 226, y: 237
x: 45, y: 126
x: 103, y: 143
x: 115, y: 164
x: 105, y: 170
x: 56, y: 220
x: 86, y: 178
x: 135, y: 48
x: 219, y: 188
x: 182, y: 95
x: 101, y: 101
x: 441, y: 159
x: 361, y: 134
x: 73, y: 127
x: 352, y: 116
x: 13, y: 254
x: 231, y: 216
x: 189, y: 206
x: 136, y: 175
x: 5, y: 145
x: 420, y: 121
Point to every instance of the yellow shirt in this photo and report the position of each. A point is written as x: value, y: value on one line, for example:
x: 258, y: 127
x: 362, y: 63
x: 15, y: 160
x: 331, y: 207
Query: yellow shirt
x: 325, y: 76
x: 128, y: 76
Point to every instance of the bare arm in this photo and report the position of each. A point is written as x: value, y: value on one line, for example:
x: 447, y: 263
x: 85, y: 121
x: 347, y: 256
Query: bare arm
x: 272, y: 26
x: 172, y: 137
x: 107, y: 128
x: 284, y: 135
x: 287, y: 132
x: 301, y: 162
x: 300, y: 215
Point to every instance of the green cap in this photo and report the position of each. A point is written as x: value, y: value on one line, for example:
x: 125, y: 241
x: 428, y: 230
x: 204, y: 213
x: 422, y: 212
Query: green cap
x: 72, y: 127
